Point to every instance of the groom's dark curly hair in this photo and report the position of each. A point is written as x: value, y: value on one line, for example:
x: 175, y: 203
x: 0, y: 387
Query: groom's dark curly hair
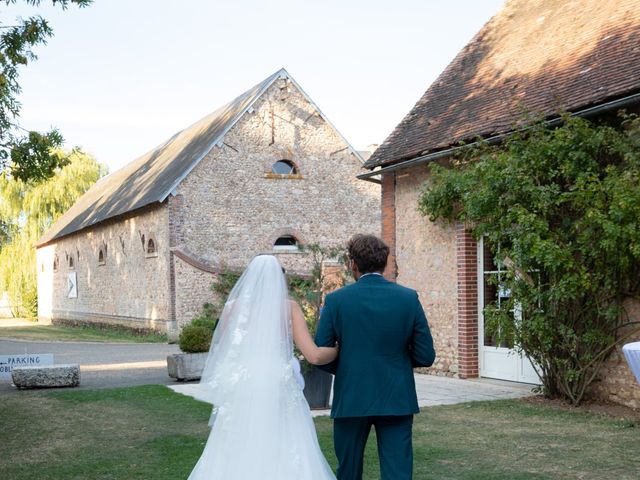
x: 369, y: 252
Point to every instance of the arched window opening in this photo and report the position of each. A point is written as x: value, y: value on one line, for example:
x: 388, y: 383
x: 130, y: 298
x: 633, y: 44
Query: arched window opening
x: 101, y: 257
x: 284, y: 167
x: 71, y: 263
x: 55, y: 263
x: 151, y: 247
x: 286, y: 242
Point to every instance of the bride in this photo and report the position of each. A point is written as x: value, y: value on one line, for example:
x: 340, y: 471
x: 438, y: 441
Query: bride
x: 261, y: 423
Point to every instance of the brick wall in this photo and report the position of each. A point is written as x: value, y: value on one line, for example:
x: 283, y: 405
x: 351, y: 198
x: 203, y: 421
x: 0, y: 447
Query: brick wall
x: 467, y: 265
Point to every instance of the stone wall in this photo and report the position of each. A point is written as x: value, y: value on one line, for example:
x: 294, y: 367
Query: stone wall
x: 231, y: 207
x: 129, y: 288
x: 426, y: 261
x: 617, y: 383
x: 193, y: 289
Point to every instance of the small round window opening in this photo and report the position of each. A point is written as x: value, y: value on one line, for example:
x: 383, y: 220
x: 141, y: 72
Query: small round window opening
x: 284, y: 167
x: 286, y: 242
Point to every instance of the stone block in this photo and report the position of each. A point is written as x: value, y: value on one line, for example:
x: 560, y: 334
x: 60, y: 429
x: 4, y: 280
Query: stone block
x: 186, y: 366
x: 46, y: 376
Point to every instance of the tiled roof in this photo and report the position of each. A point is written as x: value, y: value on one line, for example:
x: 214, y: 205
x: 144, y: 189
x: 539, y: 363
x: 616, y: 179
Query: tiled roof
x: 533, y: 58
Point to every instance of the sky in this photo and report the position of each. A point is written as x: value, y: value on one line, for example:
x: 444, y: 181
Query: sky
x: 121, y: 76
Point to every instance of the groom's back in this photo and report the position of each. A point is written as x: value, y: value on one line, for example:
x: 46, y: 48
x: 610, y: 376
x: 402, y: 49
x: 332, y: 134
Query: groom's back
x: 382, y: 333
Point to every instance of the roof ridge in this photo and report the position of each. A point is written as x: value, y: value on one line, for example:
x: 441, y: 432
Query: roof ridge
x: 137, y: 184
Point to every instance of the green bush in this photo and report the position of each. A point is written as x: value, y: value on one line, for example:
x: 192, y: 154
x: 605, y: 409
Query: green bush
x: 195, y: 339
x: 208, y: 318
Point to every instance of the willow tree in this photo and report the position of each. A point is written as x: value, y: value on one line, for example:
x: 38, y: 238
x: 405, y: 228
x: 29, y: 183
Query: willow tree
x: 27, y: 210
x: 561, y: 207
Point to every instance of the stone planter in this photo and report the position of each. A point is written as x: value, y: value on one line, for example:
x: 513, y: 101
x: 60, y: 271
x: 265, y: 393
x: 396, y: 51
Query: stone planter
x: 186, y: 366
x: 317, y: 388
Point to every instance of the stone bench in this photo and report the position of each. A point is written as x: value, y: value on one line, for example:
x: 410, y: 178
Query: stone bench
x: 46, y: 376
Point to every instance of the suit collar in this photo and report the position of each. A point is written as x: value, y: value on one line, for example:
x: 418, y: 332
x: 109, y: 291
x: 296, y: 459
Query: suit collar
x: 371, y: 278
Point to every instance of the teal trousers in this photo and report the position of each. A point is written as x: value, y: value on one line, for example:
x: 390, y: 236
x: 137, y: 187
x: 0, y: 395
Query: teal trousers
x: 394, y: 446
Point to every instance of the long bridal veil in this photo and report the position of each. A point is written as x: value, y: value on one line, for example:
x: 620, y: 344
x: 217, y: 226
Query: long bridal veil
x: 261, y: 424
x: 253, y: 338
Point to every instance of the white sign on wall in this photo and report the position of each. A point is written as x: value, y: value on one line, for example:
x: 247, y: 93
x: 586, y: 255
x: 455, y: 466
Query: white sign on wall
x: 72, y: 285
x: 9, y: 362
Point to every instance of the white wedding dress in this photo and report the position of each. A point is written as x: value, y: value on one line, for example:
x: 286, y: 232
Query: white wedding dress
x: 261, y: 423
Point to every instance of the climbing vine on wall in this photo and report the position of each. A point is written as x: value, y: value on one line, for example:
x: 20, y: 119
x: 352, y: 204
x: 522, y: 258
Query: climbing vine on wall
x: 563, y: 206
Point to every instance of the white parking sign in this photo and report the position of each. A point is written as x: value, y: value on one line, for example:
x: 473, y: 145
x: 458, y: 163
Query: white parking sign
x: 9, y: 362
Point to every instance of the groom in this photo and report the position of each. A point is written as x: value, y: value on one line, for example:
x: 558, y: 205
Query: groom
x: 383, y: 333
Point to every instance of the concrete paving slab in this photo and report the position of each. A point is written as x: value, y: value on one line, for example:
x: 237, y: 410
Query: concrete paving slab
x: 104, y: 365
x: 431, y: 390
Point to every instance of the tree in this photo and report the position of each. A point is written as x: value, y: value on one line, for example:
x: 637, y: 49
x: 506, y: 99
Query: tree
x: 27, y: 154
x: 27, y: 210
x: 309, y: 291
x: 561, y: 208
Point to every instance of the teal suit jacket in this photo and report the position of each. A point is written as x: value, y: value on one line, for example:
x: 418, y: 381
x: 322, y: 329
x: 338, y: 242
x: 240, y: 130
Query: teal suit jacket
x: 383, y: 334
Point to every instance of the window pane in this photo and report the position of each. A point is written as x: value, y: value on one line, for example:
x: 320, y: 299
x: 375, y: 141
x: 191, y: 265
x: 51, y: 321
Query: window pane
x: 283, y: 167
x: 495, y: 294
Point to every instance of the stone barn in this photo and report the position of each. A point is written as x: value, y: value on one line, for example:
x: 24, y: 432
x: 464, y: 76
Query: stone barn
x: 538, y: 57
x: 265, y: 173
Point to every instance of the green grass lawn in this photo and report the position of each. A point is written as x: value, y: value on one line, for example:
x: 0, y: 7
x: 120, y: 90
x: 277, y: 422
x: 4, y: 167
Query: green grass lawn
x: 60, y: 333
x: 153, y: 433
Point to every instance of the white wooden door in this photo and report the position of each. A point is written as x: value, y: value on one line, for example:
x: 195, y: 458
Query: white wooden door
x: 497, y: 360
